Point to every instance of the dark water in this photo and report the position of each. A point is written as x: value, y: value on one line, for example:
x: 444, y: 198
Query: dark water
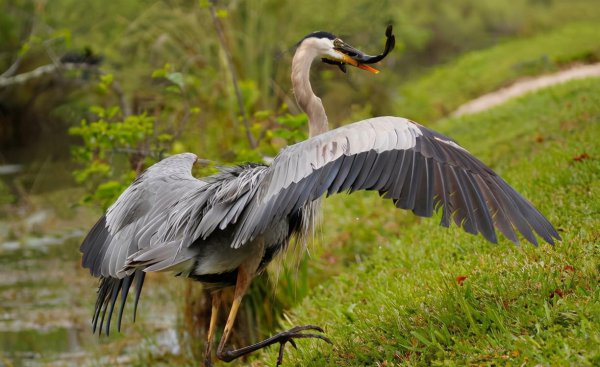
x: 46, y: 302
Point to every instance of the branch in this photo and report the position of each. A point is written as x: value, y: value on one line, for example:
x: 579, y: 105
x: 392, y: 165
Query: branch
x: 236, y: 87
x: 39, y: 72
x: 12, y: 69
x: 116, y: 88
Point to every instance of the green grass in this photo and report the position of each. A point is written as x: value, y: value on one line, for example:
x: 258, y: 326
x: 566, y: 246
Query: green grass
x: 403, y: 304
x: 448, y: 86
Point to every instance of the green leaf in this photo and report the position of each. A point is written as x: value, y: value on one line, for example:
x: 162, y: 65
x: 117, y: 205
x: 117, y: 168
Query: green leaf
x: 107, y: 79
x: 159, y: 73
x: 173, y: 89
x: 176, y: 78
x: 165, y: 137
x: 263, y: 114
x: 98, y: 110
x: 113, y: 111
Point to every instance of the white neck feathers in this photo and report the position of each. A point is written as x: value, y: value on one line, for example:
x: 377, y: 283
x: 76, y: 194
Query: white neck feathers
x: 308, y: 101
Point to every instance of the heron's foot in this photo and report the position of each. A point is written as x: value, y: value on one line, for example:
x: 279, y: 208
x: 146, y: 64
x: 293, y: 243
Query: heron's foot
x: 281, y: 338
x: 297, y: 332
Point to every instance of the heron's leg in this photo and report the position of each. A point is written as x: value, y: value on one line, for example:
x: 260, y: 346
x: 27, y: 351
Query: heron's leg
x: 244, y: 277
x: 214, y: 315
x: 246, y: 272
x: 243, y: 281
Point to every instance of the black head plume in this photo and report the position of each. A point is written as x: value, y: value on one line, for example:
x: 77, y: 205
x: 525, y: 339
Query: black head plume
x: 319, y: 34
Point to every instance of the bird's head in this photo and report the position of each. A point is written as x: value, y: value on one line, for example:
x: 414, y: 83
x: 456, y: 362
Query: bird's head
x: 334, y: 51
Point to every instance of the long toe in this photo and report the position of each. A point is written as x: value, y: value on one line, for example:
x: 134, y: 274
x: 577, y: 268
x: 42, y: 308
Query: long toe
x: 296, y: 329
x: 297, y: 332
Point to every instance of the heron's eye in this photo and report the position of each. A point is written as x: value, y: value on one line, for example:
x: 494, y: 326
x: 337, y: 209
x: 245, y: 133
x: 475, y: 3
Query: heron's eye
x: 338, y: 42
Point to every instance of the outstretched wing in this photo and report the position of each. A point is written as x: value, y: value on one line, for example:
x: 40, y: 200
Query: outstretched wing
x: 416, y: 167
x: 141, y: 209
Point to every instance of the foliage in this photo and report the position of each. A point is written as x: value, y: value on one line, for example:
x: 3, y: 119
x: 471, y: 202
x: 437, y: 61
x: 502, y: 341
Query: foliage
x: 292, y: 128
x: 447, y: 87
x: 102, y: 141
x: 140, y: 37
x: 117, y: 147
x: 436, y: 296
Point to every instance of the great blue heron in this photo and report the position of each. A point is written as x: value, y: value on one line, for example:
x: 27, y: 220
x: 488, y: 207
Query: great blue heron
x: 224, y: 229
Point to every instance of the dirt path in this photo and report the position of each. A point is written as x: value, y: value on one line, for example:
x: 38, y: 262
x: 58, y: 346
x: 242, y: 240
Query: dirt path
x: 527, y: 85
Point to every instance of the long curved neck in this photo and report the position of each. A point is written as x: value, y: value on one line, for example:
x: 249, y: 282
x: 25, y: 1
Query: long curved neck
x: 308, y: 101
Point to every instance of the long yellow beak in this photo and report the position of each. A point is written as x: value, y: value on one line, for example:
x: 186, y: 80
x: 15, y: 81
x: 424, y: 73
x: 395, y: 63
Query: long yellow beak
x: 350, y: 61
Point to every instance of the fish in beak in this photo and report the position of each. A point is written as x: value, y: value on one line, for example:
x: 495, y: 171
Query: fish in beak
x: 351, y: 56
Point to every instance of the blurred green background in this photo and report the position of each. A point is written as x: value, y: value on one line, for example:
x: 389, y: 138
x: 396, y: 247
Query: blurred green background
x: 91, y: 93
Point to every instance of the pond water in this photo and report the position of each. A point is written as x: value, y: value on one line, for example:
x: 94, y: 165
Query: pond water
x: 46, y: 302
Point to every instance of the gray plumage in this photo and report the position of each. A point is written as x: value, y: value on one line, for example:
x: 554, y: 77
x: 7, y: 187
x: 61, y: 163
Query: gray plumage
x: 167, y: 220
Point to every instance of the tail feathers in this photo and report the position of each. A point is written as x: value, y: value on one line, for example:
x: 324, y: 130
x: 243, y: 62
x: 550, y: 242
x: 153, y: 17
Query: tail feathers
x: 108, y: 293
